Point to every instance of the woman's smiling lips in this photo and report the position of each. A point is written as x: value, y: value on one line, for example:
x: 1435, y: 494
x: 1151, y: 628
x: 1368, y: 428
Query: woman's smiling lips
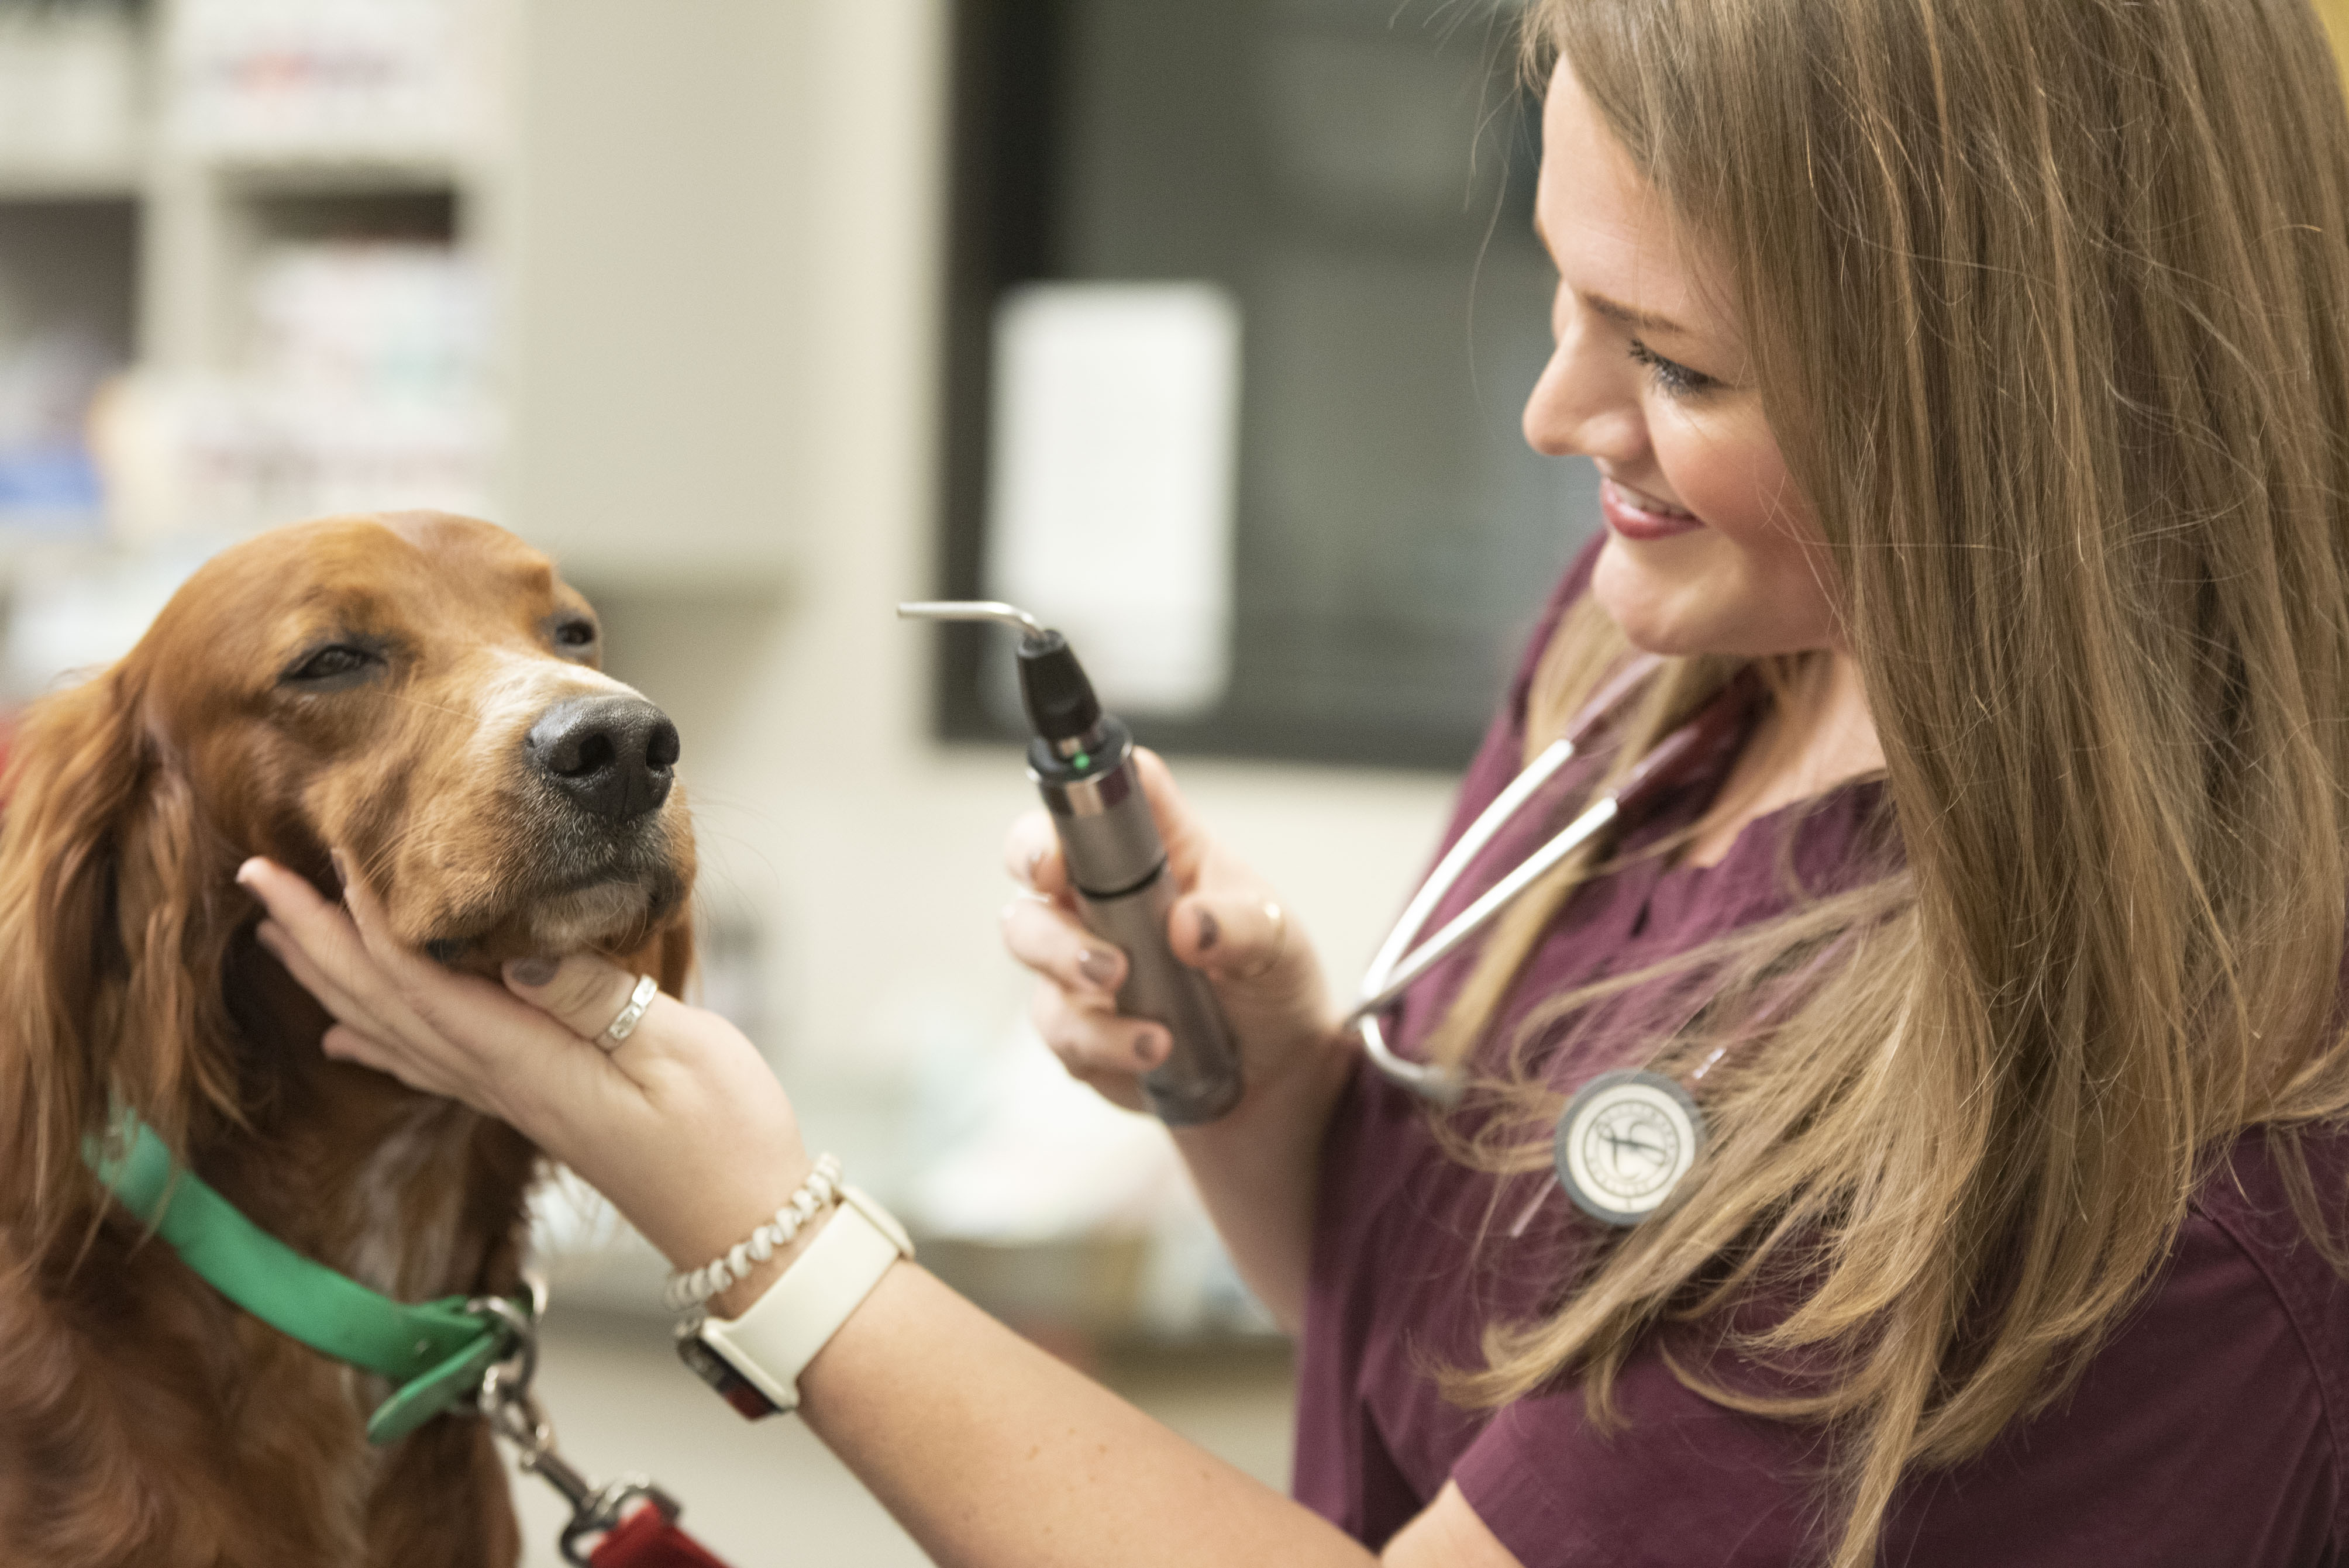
x: 1636, y: 516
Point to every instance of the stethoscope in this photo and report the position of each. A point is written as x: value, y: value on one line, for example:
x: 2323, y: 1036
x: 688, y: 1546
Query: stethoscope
x: 1627, y: 1136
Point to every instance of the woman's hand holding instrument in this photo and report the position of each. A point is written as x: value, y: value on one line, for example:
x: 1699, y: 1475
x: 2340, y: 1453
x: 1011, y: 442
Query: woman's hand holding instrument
x: 1256, y: 1166
x: 1225, y: 922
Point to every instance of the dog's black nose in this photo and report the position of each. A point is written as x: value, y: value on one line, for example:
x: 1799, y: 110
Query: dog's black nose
x: 614, y: 756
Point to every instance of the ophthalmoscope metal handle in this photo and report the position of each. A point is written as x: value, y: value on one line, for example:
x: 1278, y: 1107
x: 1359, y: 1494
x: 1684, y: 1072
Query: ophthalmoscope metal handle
x: 1081, y: 762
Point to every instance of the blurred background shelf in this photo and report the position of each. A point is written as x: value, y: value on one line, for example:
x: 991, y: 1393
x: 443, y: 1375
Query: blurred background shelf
x: 67, y: 180
x: 513, y: 257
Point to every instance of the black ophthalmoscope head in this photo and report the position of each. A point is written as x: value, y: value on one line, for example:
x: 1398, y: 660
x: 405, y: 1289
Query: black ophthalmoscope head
x: 1063, y: 714
x: 1060, y: 700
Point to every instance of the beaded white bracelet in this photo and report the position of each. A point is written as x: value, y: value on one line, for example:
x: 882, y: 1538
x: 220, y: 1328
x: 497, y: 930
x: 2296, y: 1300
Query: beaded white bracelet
x: 820, y: 1192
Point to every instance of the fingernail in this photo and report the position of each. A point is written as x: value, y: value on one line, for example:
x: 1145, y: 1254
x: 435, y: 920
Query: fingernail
x: 246, y: 872
x: 342, y: 877
x: 1208, y: 931
x: 533, y: 971
x: 1035, y: 859
x: 1149, y: 1048
x: 1097, y: 966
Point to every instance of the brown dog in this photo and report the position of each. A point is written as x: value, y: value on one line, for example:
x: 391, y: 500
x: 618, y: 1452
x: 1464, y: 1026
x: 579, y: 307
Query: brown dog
x: 421, y: 691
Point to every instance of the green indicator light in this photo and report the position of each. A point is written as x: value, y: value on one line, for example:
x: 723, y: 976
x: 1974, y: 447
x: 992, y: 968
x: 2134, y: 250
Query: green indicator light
x: 1083, y: 760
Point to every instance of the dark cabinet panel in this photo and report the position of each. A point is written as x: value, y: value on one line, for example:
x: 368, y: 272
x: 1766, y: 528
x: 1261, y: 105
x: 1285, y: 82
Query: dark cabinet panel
x: 1359, y: 177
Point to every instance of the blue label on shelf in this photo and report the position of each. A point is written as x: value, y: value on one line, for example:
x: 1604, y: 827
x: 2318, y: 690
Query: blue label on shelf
x: 52, y: 487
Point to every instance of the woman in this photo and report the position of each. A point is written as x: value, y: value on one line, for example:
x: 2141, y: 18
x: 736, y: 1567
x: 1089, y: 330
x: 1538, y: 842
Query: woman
x: 1975, y: 370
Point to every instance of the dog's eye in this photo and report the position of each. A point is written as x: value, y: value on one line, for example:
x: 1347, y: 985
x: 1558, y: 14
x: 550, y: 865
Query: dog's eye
x: 335, y: 660
x: 575, y: 634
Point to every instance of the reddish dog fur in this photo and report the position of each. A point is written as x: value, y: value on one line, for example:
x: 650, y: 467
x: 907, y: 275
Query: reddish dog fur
x: 143, y: 1419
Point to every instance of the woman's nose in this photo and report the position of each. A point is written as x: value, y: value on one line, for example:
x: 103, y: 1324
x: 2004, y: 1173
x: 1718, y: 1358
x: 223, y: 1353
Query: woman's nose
x: 1584, y: 405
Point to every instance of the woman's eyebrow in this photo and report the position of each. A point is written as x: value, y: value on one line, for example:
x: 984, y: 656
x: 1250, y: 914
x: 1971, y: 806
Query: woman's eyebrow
x: 1645, y: 321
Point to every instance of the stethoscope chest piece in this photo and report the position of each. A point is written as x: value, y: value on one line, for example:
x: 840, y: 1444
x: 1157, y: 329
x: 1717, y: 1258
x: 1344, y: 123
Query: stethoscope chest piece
x: 1624, y: 1142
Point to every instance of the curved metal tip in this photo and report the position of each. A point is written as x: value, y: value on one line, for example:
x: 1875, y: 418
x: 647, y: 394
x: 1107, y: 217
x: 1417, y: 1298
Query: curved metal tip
x: 972, y: 610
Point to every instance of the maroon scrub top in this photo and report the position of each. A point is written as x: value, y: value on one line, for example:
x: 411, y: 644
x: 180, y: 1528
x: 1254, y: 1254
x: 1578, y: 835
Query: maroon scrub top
x: 2208, y: 1430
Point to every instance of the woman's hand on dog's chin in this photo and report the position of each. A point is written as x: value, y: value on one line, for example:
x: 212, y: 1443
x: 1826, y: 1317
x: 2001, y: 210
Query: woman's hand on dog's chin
x: 704, y: 1124
x: 683, y: 1126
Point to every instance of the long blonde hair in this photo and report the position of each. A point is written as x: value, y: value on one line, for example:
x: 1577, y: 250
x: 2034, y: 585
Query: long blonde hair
x: 2049, y: 305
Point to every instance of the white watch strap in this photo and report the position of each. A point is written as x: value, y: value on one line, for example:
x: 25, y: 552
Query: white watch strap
x: 772, y: 1344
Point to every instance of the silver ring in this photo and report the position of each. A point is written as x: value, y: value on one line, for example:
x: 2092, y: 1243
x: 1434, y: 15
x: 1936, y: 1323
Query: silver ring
x: 625, y: 1024
x: 1264, y: 966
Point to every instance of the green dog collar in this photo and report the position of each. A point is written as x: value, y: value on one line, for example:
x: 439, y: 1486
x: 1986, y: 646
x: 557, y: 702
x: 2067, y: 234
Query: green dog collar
x: 435, y: 1351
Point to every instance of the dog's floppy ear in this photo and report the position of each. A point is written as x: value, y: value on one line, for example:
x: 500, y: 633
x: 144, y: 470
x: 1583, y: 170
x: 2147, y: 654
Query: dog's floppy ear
x: 112, y: 932
x: 668, y: 956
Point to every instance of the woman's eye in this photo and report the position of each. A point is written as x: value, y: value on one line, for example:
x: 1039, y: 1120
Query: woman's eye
x: 575, y: 634
x: 1671, y: 378
x: 337, y: 659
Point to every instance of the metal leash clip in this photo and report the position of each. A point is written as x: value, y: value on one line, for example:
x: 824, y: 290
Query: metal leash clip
x: 506, y: 1402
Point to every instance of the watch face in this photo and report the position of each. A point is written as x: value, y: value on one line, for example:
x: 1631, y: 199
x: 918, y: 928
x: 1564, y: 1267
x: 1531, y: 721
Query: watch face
x: 1624, y: 1142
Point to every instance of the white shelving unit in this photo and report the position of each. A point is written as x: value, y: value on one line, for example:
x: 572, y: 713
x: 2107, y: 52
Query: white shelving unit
x: 575, y: 213
x: 72, y: 84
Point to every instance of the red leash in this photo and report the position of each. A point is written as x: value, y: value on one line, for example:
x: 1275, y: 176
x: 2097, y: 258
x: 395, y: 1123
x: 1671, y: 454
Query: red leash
x: 636, y: 1518
x: 650, y: 1539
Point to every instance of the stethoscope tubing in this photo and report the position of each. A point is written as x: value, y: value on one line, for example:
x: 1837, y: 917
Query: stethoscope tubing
x: 1398, y: 964
x: 1490, y: 903
x: 1438, y: 1083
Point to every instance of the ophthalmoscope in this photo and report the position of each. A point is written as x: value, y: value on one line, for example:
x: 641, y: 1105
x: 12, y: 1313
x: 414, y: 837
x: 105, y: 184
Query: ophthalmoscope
x: 1082, y: 760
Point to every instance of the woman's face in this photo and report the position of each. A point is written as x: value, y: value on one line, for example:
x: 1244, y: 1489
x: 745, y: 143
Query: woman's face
x: 1708, y: 548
